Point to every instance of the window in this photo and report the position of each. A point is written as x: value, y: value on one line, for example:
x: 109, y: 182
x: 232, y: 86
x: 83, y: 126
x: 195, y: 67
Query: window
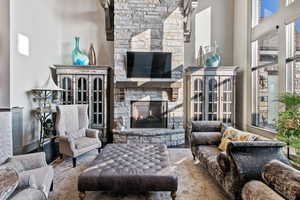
x: 293, y: 57
x: 268, y: 8
x: 275, y: 58
x: 263, y: 9
x: 265, y: 92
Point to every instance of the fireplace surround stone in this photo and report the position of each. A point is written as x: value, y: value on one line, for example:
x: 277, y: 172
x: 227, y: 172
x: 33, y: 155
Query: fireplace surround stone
x: 149, y: 26
x: 169, y: 137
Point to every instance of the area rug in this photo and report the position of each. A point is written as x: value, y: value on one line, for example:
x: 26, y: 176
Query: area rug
x: 194, y: 182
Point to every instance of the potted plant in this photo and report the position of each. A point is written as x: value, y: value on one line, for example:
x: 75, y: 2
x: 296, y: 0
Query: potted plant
x: 288, y: 123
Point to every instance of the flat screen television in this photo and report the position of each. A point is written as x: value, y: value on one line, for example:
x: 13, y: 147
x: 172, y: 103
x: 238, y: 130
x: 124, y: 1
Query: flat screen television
x: 149, y: 64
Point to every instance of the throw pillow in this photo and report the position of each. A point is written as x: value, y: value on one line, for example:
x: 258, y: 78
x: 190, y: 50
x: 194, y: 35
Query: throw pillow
x: 74, y: 135
x: 232, y: 134
x: 228, y: 136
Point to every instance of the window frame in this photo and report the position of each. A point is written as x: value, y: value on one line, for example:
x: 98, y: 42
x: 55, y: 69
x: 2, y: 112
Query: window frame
x: 279, y: 22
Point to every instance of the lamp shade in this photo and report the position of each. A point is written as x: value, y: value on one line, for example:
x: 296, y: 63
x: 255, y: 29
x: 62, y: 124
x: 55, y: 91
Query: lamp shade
x: 49, y: 85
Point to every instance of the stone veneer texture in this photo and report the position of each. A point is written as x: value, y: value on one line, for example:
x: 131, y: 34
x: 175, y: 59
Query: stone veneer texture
x: 149, y: 26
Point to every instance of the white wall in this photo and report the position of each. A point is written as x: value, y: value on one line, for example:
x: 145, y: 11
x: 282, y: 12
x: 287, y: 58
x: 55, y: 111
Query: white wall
x: 217, y: 18
x: 84, y: 19
x: 4, y: 54
x: 50, y: 26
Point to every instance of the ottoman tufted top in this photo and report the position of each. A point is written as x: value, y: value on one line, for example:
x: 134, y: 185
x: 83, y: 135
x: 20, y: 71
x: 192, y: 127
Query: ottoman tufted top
x: 130, y: 168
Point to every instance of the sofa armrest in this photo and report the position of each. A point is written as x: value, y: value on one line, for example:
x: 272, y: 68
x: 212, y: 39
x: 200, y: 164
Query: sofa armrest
x: 224, y: 162
x: 283, y: 178
x: 205, y: 138
x: 256, y: 190
x: 92, y: 133
x: 250, y: 157
x: 32, y: 161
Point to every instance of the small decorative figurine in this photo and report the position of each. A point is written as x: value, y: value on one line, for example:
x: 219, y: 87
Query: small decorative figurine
x: 92, y: 55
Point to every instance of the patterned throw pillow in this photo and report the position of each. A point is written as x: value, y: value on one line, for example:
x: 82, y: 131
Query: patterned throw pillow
x: 232, y: 134
x: 74, y: 135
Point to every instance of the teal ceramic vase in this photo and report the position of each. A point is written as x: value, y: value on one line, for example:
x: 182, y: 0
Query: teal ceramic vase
x: 212, y: 56
x: 78, y: 57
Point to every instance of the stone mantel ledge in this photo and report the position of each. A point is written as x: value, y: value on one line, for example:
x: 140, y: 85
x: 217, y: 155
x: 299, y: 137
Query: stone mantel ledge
x: 149, y: 132
x: 160, y: 84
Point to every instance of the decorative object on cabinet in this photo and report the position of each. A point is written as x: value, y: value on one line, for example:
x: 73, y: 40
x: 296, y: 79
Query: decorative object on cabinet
x: 47, y: 96
x: 200, y: 59
x: 211, y: 94
x: 92, y: 55
x: 78, y: 57
x: 87, y: 85
x: 212, y: 56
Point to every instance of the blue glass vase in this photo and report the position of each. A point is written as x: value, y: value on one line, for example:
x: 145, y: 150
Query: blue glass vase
x: 212, y: 57
x: 78, y: 57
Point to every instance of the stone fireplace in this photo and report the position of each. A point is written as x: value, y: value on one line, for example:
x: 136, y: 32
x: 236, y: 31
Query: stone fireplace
x: 148, y: 114
x: 149, y: 105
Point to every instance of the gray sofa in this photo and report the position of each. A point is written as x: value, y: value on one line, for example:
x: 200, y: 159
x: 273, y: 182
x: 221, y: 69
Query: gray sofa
x: 75, y: 138
x: 242, y: 162
x: 280, y: 181
x: 35, y: 176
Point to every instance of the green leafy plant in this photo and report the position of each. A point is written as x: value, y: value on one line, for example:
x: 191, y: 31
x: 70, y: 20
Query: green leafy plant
x: 288, y: 123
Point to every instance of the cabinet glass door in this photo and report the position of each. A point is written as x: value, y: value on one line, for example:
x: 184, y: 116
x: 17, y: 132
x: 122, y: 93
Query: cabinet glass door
x: 212, y: 98
x: 97, y: 101
x: 66, y: 83
x: 226, y: 99
x: 197, y: 99
x: 82, y: 90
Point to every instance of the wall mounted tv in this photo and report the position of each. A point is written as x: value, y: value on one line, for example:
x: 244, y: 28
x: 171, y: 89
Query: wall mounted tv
x: 149, y: 64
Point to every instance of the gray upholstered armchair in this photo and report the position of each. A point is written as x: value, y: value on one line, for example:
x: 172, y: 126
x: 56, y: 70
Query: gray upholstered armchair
x: 35, y: 176
x: 75, y: 138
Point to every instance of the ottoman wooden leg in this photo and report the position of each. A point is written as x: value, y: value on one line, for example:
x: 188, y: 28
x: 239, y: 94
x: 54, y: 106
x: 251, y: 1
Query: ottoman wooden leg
x: 82, y: 195
x: 173, y: 195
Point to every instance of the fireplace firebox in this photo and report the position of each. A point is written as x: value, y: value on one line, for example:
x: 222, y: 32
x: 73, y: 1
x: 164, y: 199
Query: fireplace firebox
x: 149, y: 114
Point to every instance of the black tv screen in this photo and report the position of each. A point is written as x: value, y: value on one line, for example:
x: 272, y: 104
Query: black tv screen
x: 149, y: 64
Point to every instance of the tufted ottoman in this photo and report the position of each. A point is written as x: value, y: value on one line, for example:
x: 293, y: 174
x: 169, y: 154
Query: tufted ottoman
x: 129, y: 168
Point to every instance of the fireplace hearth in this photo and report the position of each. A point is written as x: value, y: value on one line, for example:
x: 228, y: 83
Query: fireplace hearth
x: 149, y: 114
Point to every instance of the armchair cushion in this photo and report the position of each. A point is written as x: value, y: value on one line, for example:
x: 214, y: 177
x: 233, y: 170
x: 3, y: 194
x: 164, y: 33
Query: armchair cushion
x: 41, y: 178
x: 84, y: 142
x: 205, y: 138
x: 74, y: 135
x: 27, y: 180
x: 29, y: 194
x: 283, y: 178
